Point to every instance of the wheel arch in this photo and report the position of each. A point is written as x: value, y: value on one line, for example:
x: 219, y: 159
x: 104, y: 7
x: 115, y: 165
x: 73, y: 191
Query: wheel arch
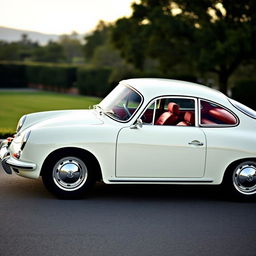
x: 82, y: 153
x: 233, y: 165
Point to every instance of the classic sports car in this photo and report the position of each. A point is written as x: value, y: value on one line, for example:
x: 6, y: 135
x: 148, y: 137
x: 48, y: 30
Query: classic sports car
x: 146, y: 131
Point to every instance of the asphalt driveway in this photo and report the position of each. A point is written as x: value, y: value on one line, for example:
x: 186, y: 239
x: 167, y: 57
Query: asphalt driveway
x: 123, y: 220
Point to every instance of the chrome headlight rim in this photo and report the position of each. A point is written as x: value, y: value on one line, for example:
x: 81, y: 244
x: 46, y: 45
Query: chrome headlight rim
x: 25, y: 139
x: 21, y: 123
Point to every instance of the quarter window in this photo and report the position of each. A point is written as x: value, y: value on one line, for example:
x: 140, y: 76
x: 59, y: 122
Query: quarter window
x: 212, y: 114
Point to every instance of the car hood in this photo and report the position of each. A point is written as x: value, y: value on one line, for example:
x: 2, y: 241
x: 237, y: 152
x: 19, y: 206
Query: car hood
x: 62, y: 118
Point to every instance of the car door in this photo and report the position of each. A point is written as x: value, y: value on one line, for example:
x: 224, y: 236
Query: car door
x: 161, y: 151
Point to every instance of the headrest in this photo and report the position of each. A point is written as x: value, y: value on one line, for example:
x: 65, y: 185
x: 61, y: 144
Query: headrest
x: 189, y: 117
x: 173, y: 108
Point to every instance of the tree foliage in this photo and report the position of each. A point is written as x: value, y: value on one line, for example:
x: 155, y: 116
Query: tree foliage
x: 52, y: 52
x: 68, y: 49
x: 72, y: 47
x: 97, y: 38
x: 211, y: 35
x: 17, y: 51
x: 101, y: 54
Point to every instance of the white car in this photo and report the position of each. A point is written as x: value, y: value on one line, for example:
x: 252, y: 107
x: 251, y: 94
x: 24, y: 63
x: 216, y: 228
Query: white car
x: 146, y: 131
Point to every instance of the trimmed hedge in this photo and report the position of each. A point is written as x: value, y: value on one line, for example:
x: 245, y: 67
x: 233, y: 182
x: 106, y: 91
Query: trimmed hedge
x: 244, y: 91
x: 56, y: 77
x: 94, y: 82
x: 51, y: 76
x: 13, y: 75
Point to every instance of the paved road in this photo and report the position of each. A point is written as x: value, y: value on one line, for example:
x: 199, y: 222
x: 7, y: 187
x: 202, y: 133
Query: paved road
x: 123, y: 220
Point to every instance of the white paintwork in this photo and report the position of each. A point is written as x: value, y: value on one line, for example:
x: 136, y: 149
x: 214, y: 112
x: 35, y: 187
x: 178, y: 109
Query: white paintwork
x: 165, y: 156
x: 151, y: 154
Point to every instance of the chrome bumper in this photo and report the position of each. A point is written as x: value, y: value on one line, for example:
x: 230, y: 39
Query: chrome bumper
x: 3, y: 149
x: 4, y: 155
x: 10, y: 164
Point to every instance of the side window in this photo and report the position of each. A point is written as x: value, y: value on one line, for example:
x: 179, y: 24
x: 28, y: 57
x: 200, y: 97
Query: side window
x: 213, y: 115
x: 184, y: 104
x: 170, y: 111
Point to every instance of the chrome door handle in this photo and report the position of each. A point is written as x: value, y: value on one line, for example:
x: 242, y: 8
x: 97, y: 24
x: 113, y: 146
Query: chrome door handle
x: 196, y: 143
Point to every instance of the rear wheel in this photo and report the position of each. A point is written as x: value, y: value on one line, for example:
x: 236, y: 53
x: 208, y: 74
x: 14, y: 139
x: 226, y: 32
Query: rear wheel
x: 68, y: 176
x: 242, y: 180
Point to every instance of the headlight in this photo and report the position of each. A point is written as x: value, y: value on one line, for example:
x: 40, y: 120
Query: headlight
x: 20, y: 123
x: 20, y: 140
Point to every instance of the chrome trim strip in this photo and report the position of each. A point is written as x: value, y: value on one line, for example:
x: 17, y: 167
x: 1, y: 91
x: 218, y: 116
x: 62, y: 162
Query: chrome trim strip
x: 163, y: 180
x: 20, y: 165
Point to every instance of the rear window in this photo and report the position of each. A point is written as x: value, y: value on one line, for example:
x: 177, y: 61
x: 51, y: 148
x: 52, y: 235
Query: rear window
x: 244, y: 109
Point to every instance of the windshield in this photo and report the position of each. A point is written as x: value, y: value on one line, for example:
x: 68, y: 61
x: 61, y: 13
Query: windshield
x: 246, y: 110
x: 121, y: 103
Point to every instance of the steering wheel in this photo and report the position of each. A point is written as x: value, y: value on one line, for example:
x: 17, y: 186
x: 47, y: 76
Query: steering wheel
x: 127, y: 110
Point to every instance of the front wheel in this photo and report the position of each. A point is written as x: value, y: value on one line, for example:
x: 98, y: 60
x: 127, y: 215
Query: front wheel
x: 68, y: 177
x: 243, y: 180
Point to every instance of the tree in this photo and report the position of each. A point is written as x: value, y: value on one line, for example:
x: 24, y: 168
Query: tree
x: 21, y: 50
x: 72, y: 47
x: 9, y: 51
x: 52, y: 52
x: 97, y: 38
x: 211, y: 35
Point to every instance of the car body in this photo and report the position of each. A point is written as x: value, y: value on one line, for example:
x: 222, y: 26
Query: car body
x: 146, y: 131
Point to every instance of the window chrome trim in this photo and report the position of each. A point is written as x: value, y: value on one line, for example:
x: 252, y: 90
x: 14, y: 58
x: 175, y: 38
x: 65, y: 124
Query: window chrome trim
x: 232, y: 101
x: 169, y: 97
x: 135, y: 112
x: 154, y: 113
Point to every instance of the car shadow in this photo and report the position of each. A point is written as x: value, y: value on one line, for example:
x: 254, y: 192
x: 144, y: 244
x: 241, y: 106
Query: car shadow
x: 159, y: 192
x: 18, y: 187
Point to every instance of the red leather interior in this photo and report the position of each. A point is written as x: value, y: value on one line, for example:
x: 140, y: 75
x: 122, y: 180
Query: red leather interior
x: 189, y: 119
x: 173, y: 108
x: 212, y: 114
x: 206, y: 121
x: 170, y: 117
x: 222, y: 115
x: 122, y: 113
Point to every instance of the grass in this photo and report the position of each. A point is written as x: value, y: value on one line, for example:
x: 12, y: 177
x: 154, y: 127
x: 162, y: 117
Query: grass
x: 15, y: 104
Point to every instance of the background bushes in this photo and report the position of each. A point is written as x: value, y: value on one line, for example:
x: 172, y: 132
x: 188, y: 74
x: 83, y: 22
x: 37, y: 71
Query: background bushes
x: 58, y: 77
x: 13, y: 75
x: 52, y: 77
x: 244, y: 91
x: 45, y: 76
x: 94, y: 82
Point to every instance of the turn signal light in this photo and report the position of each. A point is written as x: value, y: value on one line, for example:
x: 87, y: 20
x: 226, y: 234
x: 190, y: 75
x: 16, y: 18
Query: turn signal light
x: 16, y: 155
x: 9, y: 139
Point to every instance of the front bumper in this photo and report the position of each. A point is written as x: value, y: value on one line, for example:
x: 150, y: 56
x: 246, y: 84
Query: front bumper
x: 10, y: 164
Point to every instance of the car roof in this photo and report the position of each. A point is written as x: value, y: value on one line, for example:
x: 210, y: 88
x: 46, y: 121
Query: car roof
x: 154, y: 87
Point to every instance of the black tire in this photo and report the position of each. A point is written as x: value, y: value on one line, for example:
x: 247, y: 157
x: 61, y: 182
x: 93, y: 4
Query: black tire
x: 68, y: 176
x: 241, y: 181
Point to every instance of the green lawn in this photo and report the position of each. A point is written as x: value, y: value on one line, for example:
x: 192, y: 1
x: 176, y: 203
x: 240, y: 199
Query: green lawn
x: 15, y: 104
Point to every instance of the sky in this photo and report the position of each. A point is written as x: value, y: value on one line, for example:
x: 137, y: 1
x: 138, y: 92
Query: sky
x: 61, y: 16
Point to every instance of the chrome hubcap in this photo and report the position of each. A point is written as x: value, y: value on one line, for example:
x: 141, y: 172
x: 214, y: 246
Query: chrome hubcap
x: 70, y: 173
x: 244, y: 179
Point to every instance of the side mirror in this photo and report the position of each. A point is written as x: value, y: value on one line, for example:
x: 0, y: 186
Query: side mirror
x: 138, y: 124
